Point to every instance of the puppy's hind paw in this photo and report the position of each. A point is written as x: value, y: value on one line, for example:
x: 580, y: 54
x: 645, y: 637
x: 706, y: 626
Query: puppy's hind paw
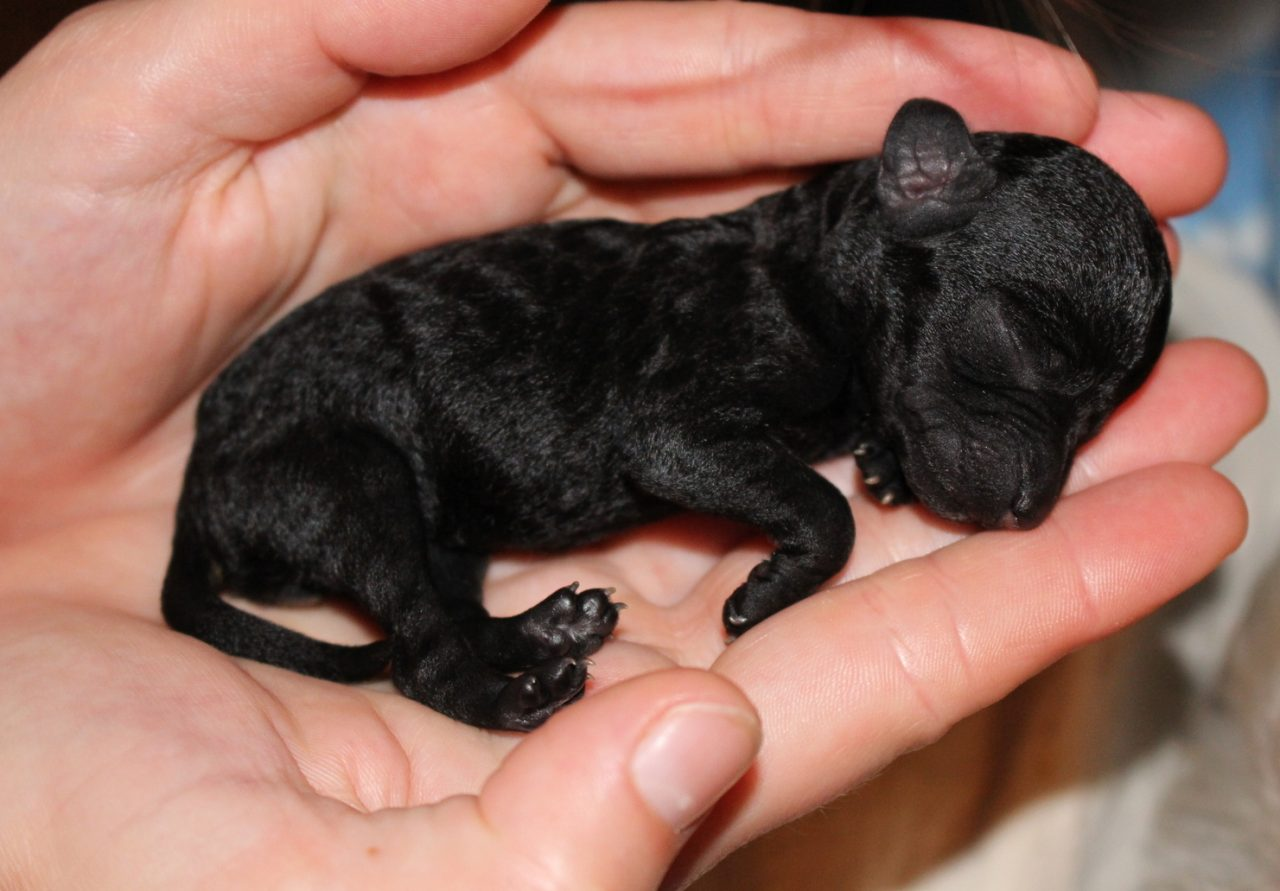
x: 530, y: 698
x: 572, y: 622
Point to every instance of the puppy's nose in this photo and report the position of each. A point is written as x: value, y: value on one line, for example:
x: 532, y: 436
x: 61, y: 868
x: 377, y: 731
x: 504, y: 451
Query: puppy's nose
x: 1025, y: 512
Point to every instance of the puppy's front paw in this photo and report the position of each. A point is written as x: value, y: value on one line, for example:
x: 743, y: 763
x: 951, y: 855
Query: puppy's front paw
x: 760, y: 596
x: 880, y: 471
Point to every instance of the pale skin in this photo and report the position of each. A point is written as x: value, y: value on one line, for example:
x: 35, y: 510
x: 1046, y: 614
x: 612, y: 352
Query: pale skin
x: 177, y: 174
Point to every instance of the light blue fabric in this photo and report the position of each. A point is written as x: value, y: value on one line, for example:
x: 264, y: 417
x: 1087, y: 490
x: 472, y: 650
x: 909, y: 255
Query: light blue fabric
x: 1242, y: 226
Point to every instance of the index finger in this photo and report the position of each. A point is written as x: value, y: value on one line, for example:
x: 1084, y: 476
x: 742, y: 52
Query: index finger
x: 712, y: 89
x: 706, y: 88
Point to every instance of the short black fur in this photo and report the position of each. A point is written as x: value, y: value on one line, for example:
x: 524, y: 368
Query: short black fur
x: 960, y: 314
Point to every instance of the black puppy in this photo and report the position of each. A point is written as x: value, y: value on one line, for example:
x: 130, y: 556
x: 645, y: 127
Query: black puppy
x: 960, y: 314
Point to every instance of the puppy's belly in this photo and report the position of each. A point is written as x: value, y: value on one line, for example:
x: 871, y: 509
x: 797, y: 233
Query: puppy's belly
x: 539, y: 513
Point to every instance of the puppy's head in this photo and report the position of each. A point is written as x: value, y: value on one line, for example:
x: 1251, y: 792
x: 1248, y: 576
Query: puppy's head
x: 1032, y: 298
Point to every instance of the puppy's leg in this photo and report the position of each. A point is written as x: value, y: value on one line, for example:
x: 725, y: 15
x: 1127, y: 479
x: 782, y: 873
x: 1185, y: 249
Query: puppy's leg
x: 339, y: 514
x: 569, y: 623
x: 760, y: 482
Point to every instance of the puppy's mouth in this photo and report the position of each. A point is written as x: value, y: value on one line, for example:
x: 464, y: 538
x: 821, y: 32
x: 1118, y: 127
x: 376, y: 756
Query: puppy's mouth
x: 990, y: 515
x: 1015, y: 519
x: 967, y: 483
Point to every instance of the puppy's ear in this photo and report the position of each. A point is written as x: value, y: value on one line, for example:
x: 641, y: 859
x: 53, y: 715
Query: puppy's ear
x: 932, y: 177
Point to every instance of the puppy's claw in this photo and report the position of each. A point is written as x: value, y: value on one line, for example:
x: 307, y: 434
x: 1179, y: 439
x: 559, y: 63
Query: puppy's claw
x: 573, y: 587
x: 872, y: 480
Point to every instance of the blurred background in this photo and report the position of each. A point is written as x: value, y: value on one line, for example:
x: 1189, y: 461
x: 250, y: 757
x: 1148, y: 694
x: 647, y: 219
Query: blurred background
x: 1151, y: 760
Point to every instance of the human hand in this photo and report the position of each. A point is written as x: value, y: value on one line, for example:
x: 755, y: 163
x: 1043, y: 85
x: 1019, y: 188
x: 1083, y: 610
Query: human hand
x: 172, y: 194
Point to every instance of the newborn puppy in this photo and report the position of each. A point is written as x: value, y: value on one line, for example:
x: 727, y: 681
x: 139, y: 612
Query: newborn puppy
x: 960, y: 313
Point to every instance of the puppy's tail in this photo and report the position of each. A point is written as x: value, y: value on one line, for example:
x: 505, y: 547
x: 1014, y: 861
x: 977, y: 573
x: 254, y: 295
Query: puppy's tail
x: 191, y: 604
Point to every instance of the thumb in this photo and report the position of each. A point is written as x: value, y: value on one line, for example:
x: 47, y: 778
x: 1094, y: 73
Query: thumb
x: 602, y: 796
x: 603, y: 799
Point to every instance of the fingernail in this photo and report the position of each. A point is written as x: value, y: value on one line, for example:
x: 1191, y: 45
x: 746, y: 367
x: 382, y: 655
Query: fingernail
x: 690, y: 757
